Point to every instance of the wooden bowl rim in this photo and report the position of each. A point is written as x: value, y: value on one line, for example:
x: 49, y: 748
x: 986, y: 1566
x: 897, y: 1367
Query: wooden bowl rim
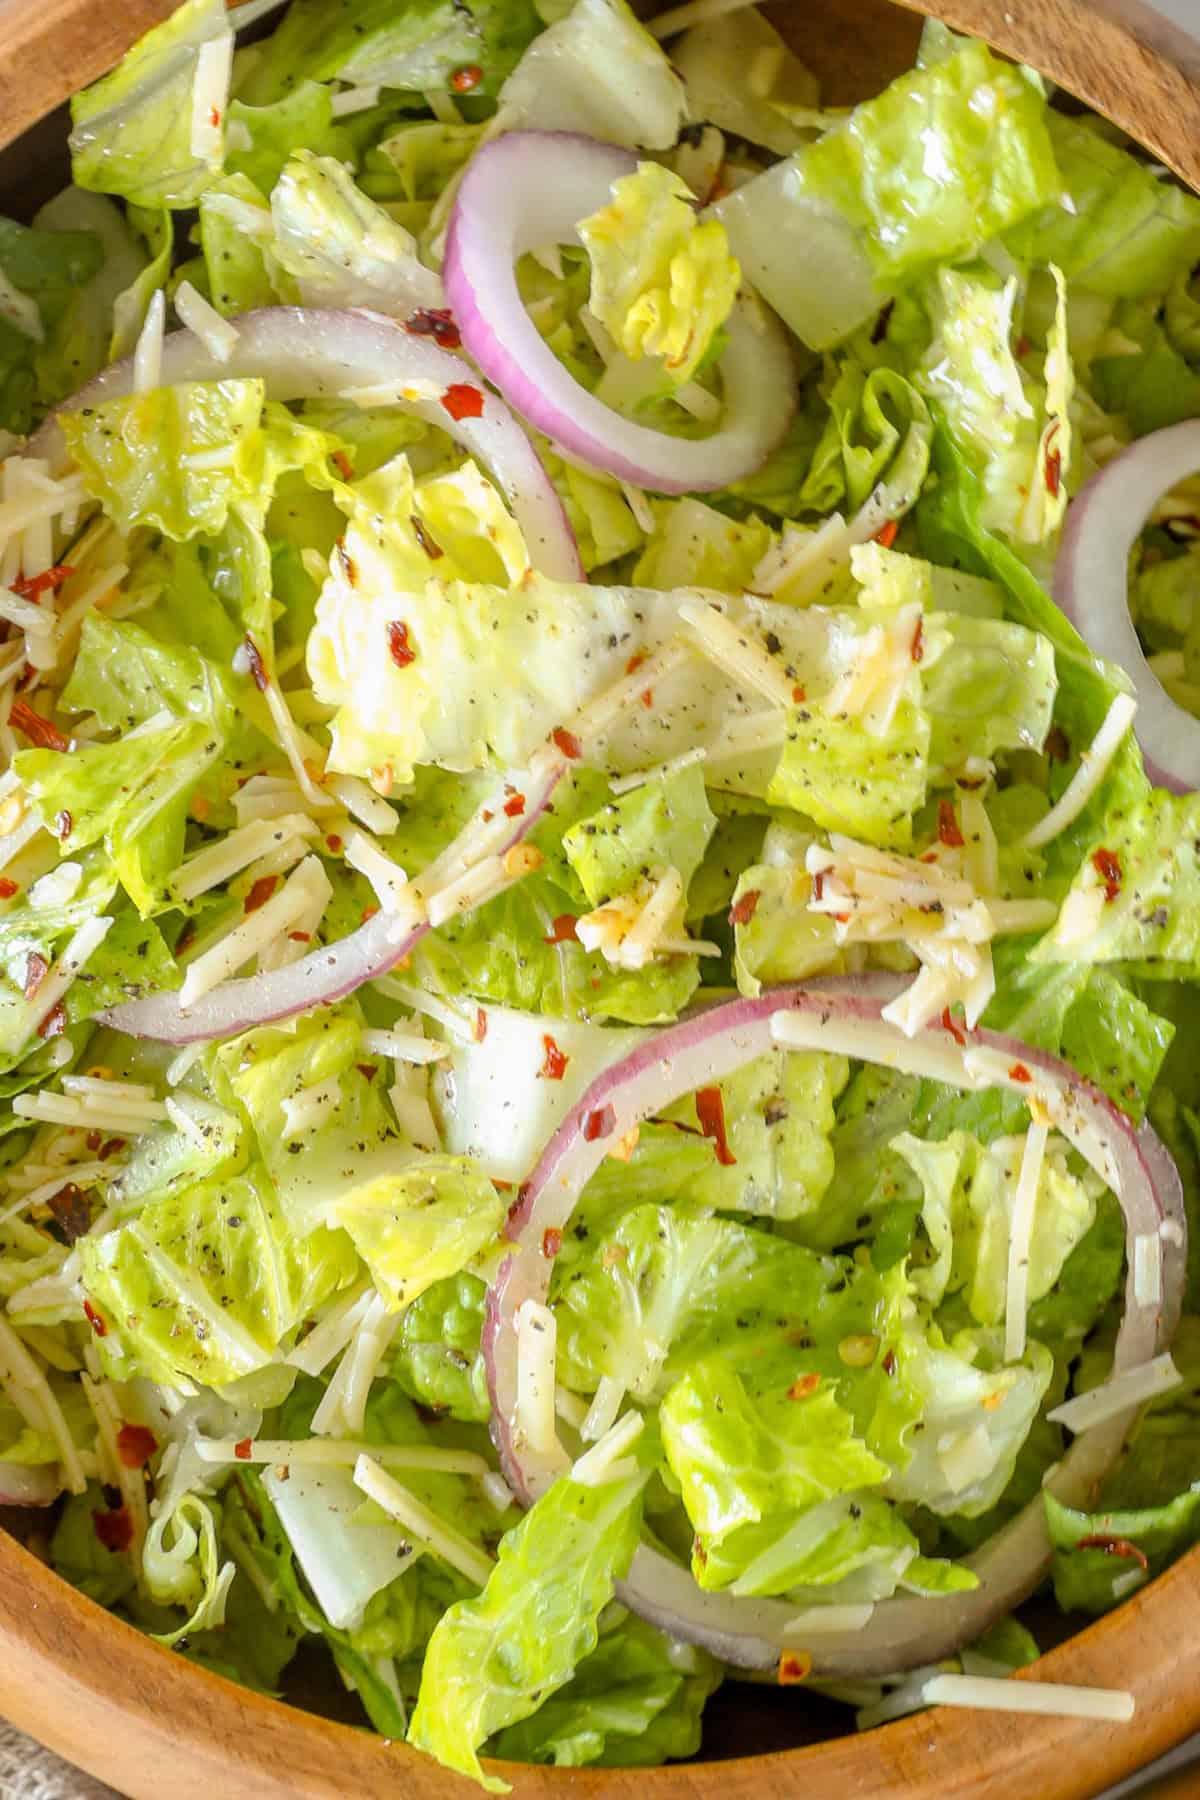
x: 136, y: 1714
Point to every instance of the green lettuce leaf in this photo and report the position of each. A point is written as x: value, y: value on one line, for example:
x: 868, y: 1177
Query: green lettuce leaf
x: 663, y: 283
x: 436, y: 1356
x: 208, y: 1283
x: 635, y: 1701
x: 493, y: 1659
x: 421, y: 1224
x: 1095, y: 1553
x: 929, y: 170
x: 340, y: 247
x: 597, y: 70
x: 666, y: 821
x: 133, y: 130
x: 368, y: 43
x: 50, y: 339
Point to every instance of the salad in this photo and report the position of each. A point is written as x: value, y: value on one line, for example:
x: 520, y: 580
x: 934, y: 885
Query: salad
x: 599, y: 867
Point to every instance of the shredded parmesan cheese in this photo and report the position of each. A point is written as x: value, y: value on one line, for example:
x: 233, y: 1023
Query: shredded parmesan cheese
x: 353, y: 100
x: 736, y: 650
x: 331, y: 1335
x: 343, y: 1404
x: 363, y: 803
x: 328, y: 1451
x: 537, y: 1337
x: 210, y: 97
x: 217, y: 335
x: 1093, y: 767
x: 392, y: 887
x: 1016, y: 1299
x: 605, y: 1461
x: 1007, y: 1695
x: 1119, y: 1394
x: 254, y: 933
x: 1147, y: 1268
x: 602, y: 1413
x: 404, y: 1046
x: 147, y: 355
x: 430, y: 1531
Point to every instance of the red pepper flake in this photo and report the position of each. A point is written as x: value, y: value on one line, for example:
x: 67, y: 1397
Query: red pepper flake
x: 7, y: 888
x: 886, y: 535
x: 799, y: 695
x: 514, y: 806
x: 481, y: 1024
x: 1114, y: 1546
x: 466, y: 80
x: 260, y: 893
x: 888, y: 1364
x: 1053, y: 463
x: 347, y: 563
x: 425, y: 537
x: 918, y: 643
x: 244, y: 1449
x: 1019, y: 1072
x: 368, y: 1071
x: 563, y: 930
x: 948, y: 828
x: 368, y: 912
x: 300, y: 937
x: 400, y: 648
x: 635, y: 662
x: 38, y: 730
x: 599, y: 1123
x: 956, y: 1031
x: 186, y: 937
x: 567, y: 742
x: 1058, y: 746
x: 794, y: 1666
x: 70, y: 1212
x: 94, y: 1319
x: 32, y: 587
x: 114, y: 1528
x: 554, y: 1065
x: 54, y: 1023
x: 647, y: 698
x: 63, y: 823
x: 36, y: 970
x: 803, y: 1386
x: 333, y: 843
x: 710, y: 1111
x: 818, y: 884
x: 343, y: 465
x: 462, y: 401
x: 1107, y: 865
x: 256, y: 665
x: 436, y: 322
x: 136, y: 1444
x: 111, y: 1148
x: 487, y: 815
x: 551, y: 1242
x: 214, y: 117
x: 93, y: 1140
x: 744, y: 907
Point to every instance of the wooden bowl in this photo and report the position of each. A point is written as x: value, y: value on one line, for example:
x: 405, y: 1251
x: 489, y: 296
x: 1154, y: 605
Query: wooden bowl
x: 150, y: 1723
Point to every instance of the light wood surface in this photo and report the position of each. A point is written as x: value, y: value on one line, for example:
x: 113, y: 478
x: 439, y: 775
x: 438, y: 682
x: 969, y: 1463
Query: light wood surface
x: 143, y: 1719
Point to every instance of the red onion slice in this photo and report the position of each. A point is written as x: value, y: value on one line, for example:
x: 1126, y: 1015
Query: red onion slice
x: 1091, y: 584
x: 843, y: 1016
x: 306, y: 353
x: 530, y: 189
x: 23, y: 1485
x: 335, y: 970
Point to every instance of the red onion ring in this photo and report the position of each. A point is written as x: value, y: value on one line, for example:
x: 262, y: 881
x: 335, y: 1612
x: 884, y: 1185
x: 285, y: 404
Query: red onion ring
x: 326, y: 974
x: 1091, y: 584
x: 529, y: 189
x: 25, y: 1485
x: 305, y: 353
x: 905, y: 1631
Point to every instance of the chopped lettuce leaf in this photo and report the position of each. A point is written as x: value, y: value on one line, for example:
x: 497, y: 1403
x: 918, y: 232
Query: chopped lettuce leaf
x: 492, y: 1660
x: 598, y: 71
x: 422, y: 1224
x: 663, y: 283
x: 666, y: 821
x: 341, y: 248
x: 134, y: 132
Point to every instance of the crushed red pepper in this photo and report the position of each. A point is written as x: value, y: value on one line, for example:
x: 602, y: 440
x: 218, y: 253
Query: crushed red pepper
x: 1107, y: 865
x: 551, y: 1242
x: 400, y: 646
x: 514, y: 806
x: 1019, y: 1072
x: 136, y: 1444
x: 54, y: 1023
x: 32, y: 587
x: 949, y: 833
x: 36, y: 970
x: 886, y: 535
x: 256, y: 665
x: 710, y: 1111
x: 260, y: 893
x: 956, y: 1031
x: 8, y: 888
x: 563, y: 930
x: 436, y: 322
x: 1114, y: 1546
x: 554, y: 1064
x: 466, y: 79
x: 480, y: 1031
x: 462, y: 401
x: 567, y: 742
x: 42, y: 732
x: 244, y: 1449
x: 599, y: 1123
x: 425, y: 538
x: 744, y: 907
x: 94, y: 1319
x: 114, y: 1528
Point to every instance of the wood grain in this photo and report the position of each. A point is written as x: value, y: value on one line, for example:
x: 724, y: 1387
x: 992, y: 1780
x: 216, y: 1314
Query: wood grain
x: 149, y: 1723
